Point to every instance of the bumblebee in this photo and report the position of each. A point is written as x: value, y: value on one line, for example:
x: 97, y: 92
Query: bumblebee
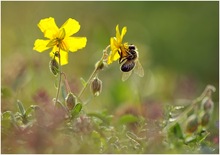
x: 129, y: 62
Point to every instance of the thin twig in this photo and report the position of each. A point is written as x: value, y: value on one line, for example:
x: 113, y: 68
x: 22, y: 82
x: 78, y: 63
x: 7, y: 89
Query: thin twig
x: 95, y: 71
x: 66, y: 82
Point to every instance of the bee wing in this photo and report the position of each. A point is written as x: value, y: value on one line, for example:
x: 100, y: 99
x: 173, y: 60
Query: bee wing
x: 139, y: 69
x: 126, y: 75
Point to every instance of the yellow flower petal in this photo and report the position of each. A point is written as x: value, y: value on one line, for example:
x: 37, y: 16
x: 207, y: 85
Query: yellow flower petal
x: 124, y: 30
x: 61, y: 34
x: 71, y: 26
x: 59, y: 39
x: 64, y: 46
x: 41, y: 45
x: 55, y: 49
x: 63, y: 56
x: 116, y: 45
x: 116, y: 56
x: 48, y: 27
x: 52, y: 43
x: 118, y: 36
x: 113, y: 43
x: 75, y: 43
x: 113, y: 56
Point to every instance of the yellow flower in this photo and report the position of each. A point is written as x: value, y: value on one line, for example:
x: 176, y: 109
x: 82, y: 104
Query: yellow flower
x: 59, y: 39
x: 116, y: 45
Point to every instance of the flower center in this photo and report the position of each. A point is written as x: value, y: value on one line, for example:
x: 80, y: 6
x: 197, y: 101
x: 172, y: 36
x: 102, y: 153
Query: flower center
x: 58, y: 41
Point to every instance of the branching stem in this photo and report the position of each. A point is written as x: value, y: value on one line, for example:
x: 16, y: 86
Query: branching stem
x: 95, y: 71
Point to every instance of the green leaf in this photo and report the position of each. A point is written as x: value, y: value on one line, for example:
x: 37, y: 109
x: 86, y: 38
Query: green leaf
x: 203, y: 136
x: 177, y: 131
x: 14, y: 122
x: 102, y: 116
x: 6, y: 122
x: 190, y: 139
x: 83, y: 82
x: 76, y: 110
x: 128, y: 118
x: 21, y: 107
x: 6, y: 115
x: 30, y: 109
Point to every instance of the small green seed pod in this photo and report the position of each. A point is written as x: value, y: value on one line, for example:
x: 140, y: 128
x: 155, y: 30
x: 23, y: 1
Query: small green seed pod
x: 54, y: 67
x: 96, y: 86
x: 205, y: 119
x: 192, y: 123
x: 207, y: 104
x: 70, y: 101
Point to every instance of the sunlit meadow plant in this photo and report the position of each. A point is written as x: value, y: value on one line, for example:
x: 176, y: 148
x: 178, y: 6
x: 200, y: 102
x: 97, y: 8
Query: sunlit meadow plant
x: 61, y: 41
x: 97, y: 132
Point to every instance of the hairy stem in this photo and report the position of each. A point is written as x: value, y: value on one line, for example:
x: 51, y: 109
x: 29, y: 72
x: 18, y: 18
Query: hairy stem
x: 95, y: 71
x: 66, y: 83
x: 60, y: 76
x: 84, y: 88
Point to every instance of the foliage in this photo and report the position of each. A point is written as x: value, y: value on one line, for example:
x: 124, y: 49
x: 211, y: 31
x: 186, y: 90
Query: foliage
x: 108, y: 112
x: 51, y: 130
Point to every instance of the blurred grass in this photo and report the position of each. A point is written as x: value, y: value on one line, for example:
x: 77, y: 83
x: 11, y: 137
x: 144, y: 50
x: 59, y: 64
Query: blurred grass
x: 178, y: 44
x: 179, y: 38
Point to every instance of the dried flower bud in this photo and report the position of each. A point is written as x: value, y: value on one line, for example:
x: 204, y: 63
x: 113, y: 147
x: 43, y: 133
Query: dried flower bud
x: 207, y: 104
x: 70, y: 101
x: 205, y: 119
x: 54, y: 67
x: 96, y: 86
x: 192, y: 123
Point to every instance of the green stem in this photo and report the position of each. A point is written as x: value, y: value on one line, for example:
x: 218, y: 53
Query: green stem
x: 60, y: 74
x: 91, y: 76
x: 180, y: 118
x: 66, y: 83
x: 104, y: 57
x: 68, y: 87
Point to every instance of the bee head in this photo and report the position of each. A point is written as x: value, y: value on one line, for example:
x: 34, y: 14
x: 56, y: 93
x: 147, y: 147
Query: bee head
x: 131, y: 47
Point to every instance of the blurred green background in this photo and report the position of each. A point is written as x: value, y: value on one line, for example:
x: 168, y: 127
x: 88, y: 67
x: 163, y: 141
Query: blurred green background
x: 178, y: 44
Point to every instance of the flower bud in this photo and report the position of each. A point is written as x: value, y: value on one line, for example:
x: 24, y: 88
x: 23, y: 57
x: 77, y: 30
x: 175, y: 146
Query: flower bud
x: 54, y: 67
x: 57, y: 54
x: 205, y: 119
x: 100, y: 65
x: 70, y: 101
x: 96, y: 86
x: 207, y: 104
x: 192, y: 123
